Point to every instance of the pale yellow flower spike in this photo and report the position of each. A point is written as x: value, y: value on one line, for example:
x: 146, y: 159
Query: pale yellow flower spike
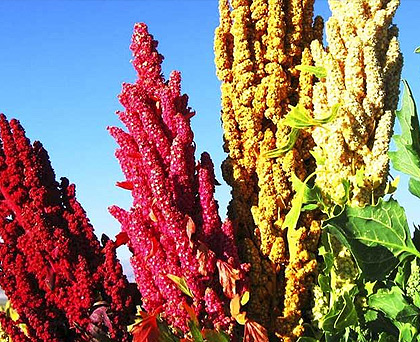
x: 363, y: 64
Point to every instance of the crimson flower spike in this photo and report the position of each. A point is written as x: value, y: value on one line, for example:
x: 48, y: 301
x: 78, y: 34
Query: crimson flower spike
x: 173, y: 227
x: 53, y: 268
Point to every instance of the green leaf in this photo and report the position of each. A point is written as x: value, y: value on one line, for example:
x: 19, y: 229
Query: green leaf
x: 342, y: 314
x: 326, y: 251
x: 417, y: 50
x: 391, y: 186
x: 310, y: 207
x: 303, y: 195
x: 346, y: 186
x: 390, y: 301
x: 324, y: 282
x: 407, y: 333
x: 348, y: 315
x: 394, y: 305
x: 409, y: 314
x: 181, y: 284
x: 378, y: 236
x: 287, y: 146
x: 215, y: 336
x: 385, y: 337
x: 414, y: 187
x: 371, y: 315
x: 165, y: 334
x: 292, y: 216
x: 307, y: 339
x: 195, y: 332
x: 319, y: 158
x: 407, y: 157
x: 416, y: 237
x: 319, y: 72
x: 298, y: 117
x: 407, y: 117
x: 403, y: 273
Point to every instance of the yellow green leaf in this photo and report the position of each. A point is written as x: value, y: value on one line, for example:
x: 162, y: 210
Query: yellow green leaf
x: 287, y: 146
x: 241, y: 318
x: 181, y: 284
x: 319, y: 72
x: 245, y: 298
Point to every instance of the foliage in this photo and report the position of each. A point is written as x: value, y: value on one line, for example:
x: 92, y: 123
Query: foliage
x: 380, y: 297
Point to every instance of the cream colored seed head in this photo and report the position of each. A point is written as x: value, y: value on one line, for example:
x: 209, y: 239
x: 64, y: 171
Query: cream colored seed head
x: 363, y: 66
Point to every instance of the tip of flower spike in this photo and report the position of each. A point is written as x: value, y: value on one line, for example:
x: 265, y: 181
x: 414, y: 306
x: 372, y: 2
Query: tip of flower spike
x: 140, y: 27
x: 146, y: 59
x: 119, y: 213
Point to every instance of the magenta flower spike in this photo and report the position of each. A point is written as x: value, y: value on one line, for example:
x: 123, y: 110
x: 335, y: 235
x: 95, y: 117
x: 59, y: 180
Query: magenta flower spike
x: 174, y: 228
x: 53, y: 269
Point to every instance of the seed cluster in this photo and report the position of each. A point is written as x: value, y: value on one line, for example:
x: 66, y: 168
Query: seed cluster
x: 257, y: 46
x: 363, y: 64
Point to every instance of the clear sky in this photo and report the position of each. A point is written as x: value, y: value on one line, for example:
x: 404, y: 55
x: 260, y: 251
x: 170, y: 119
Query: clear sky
x: 61, y: 68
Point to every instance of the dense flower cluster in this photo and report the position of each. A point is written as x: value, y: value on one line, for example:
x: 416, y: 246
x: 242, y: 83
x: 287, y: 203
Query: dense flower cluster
x: 258, y: 45
x: 53, y: 269
x: 363, y: 64
x: 173, y: 227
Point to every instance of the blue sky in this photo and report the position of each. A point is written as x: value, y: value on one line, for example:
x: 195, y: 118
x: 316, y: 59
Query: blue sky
x: 61, y: 68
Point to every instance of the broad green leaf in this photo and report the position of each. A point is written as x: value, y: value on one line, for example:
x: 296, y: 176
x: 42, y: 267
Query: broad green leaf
x: 417, y: 50
x: 390, y: 301
x: 394, y: 305
x: 181, y: 284
x: 409, y: 122
x: 409, y: 314
x: 298, y: 117
x: 414, y: 187
x: 378, y: 236
x: 407, y: 157
x: 407, y: 333
x: 375, y: 263
x: 319, y: 72
x: 287, y: 146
